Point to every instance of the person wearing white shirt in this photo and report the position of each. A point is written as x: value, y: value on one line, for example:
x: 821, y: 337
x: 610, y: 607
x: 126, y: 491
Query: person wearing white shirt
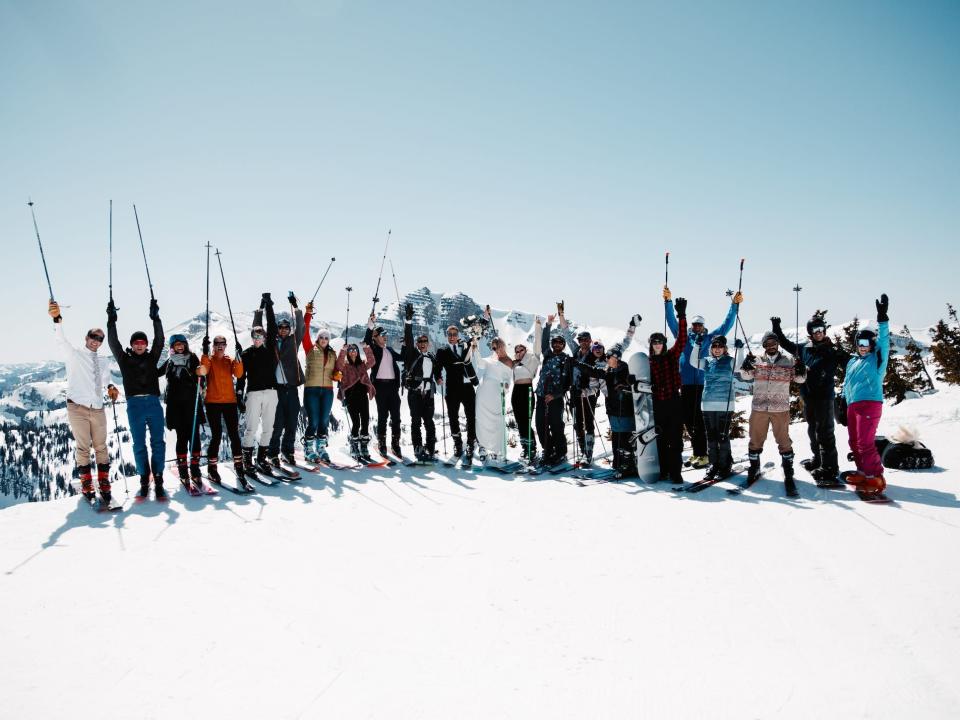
x: 86, y: 375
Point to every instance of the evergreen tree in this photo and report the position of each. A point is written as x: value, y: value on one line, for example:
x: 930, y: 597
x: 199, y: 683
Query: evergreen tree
x: 895, y: 383
x: 846, y: 340
x: 946, y: 349
x: 915, y: 369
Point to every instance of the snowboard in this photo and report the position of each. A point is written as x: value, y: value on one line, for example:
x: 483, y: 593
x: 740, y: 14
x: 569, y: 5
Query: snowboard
x: 645, y: 435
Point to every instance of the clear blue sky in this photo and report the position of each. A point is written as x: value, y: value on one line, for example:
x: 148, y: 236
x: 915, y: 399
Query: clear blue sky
x: 520, y: 151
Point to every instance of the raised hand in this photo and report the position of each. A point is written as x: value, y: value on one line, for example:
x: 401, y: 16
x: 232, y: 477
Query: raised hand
x: 154, y: 309
x: 775, y: 322
x: 408, y: 312
x: 292, y: 299
x: 205, y: 345
x: 738, y: 298
x: 54, y: 310
x: 882, y: 305
x: 667, y: 295
x: 680, y: 306
x: 111, y: 312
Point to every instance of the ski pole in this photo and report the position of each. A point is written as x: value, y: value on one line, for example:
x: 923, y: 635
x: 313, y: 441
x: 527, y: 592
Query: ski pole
x: 236, y: 341
x: 111, y: 251
x: 733, y: 368
x: 346, y: 330
x: 207, y: 316
x: 666, y: 283
x: 443, y: 418
x: 40, y: 244
x: 797, y: 289
x: 397, y: 289
x: 332, y: 260
x: 383, y: 262
x: 143, y: 250
x: 116, y: 428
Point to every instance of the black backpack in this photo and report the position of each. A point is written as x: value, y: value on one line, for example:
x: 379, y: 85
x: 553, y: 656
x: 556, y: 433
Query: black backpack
x: 903, y: 456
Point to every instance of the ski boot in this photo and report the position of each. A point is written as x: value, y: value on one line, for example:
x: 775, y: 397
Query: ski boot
x: 103, y: 481
x: 364, y: 449
x: 789, y: 484
x: 753, y: 474
x: 310, y: 450
x: 239, y: 468
x: 395, y: 445
x: 183, y: 470
x: 698, y: 462
x: 195, y: 467
x: 86, y: 482
x: 212, y: 472
x: 418, y: 454
x: 467, y: 458
x: 827, y: 477
x: 355, y: 448
x: 713, y: 473
x: 248, y: 466
x: 158, y: 490
x: 457, y: 445
x: 382, y: 445
x: 288, y: 457
x: 321, y: 451
x: 144, y: 487
x: 262, y: 464
x: 811, y: 465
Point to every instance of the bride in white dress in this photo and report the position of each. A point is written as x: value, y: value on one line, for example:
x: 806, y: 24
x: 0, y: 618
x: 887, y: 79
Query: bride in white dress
x: 493, y: 394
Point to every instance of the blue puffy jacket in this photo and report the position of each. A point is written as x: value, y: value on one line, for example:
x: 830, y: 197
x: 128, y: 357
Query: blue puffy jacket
x: 718, y: 379
x: 689, y: 374
x: 864, y: 378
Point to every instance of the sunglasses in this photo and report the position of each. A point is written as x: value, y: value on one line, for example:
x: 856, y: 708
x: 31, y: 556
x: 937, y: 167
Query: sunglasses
x: 656, y: 342
x: 216, y: 344
x: 863, y: 343
x: 424, y: 341
x: 453, y: 334
x: 98, y: 338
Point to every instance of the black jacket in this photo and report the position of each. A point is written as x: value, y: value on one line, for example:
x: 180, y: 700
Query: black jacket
x: 456, y: 368
x: 260, y: 363
x: 378, y: 356
x: 413, y: 362
x: 619, y: 383
x: 822, y: 360
x: 181, y: 392
x: 140, y: 372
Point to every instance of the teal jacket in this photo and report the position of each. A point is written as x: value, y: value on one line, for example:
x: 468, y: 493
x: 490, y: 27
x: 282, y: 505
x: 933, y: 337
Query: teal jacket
x: 864, y: 378
x: 691, y: 374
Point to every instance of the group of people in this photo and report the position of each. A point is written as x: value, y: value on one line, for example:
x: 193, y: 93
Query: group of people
x: 690, y: 384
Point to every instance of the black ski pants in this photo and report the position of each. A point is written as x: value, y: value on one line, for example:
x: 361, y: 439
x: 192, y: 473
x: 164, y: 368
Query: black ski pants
x: 285, y: 422
x: 717, y: 426
x: 819, y: 414
x: 668, y: 415
x: 523, y: 401
x: 421, y: 411
x: 691, y: 396
x: 550, y: 429
x: 388, y: 407
x: 358, y: 407
x: 220, y: 414
x: 464, y: 396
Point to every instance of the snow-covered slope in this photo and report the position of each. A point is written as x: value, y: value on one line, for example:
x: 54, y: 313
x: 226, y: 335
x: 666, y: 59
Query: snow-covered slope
x: 441, y: 594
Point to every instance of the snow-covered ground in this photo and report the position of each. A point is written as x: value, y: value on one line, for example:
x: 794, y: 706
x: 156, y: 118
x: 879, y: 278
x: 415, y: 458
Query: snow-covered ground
x: 407, y: 593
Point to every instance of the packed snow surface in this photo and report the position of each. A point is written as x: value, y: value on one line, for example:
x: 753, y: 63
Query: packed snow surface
x: 436, y: 593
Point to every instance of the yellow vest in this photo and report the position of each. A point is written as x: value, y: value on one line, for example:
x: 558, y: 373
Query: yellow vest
x: 320, y: 367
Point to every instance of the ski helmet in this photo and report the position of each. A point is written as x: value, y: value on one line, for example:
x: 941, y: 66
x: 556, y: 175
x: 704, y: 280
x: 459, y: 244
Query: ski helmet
x: 870, y: 336
x: 283, y: 323
x: 178, y: 338
x: 616, y: 351
x: 597, y: 346
x: 379, y: 330
x: 698, y: 320
x: 658, y: 337
x: 139, y: 335
x: 719, y: 341
x: 816, y: 323
x: 583, y: 335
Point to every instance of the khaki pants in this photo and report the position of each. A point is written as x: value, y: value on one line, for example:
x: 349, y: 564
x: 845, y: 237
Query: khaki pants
x: 89, y: 429
x: 760, y: 422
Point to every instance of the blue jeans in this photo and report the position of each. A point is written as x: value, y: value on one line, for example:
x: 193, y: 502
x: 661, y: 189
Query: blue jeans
x: 143, y: 412
x: 317, y: 401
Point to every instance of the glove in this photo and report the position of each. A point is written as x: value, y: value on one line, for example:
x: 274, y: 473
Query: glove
x: 748, y: 362
x: 265, y: 300
x: 775, y: 322
x: 738, y: 343
x: 239, y: 349
x: 154, y: 309
x: 293, y: 299
x: 681, y: 307
x: 666, y: 293
x: 308, y: 308
x: 111, y: 312
x: 54, y: 311
x: 738, y: 298
x: 799, y: 369
x: 370, y: 321
x: 112, y: 393
x: 408, y: 312
x: 635, y: 321
x: 205, y: 345
x: 882, y: 304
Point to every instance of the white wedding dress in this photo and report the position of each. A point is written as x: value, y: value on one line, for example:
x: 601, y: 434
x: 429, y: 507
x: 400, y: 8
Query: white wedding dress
x: 493, y: 397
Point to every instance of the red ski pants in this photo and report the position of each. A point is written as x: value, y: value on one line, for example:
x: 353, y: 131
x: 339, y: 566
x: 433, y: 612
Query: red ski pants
x: 862, y: 420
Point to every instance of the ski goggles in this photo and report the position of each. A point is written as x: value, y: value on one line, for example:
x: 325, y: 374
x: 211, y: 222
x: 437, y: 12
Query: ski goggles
x: 817, y: 329
x: 422, y: 339
x: 257, y: 335
x: 95, y: 336
x: 219, y: 343
x: 597, y: 347
x: 138, y: 343
x: 657, y: 342
x: 863, y: 342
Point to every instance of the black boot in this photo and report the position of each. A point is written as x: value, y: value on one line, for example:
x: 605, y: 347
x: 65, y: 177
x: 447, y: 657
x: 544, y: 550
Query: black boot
x: 212, y: 471
x: 195, y: 467
x: 382, y: 445
x: 248, y: 466
x: 182, y: 469
x: 158, y: 490
x: 363, y: 447
x: 457, y: 445
x: 789, y: 484
x: 86, y: 482
x: 239, y: 467
x: 467, y: 457
x: 753, y: 474
x: 144, y: 486
x: 395, y: 445
x: 262, y: 465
